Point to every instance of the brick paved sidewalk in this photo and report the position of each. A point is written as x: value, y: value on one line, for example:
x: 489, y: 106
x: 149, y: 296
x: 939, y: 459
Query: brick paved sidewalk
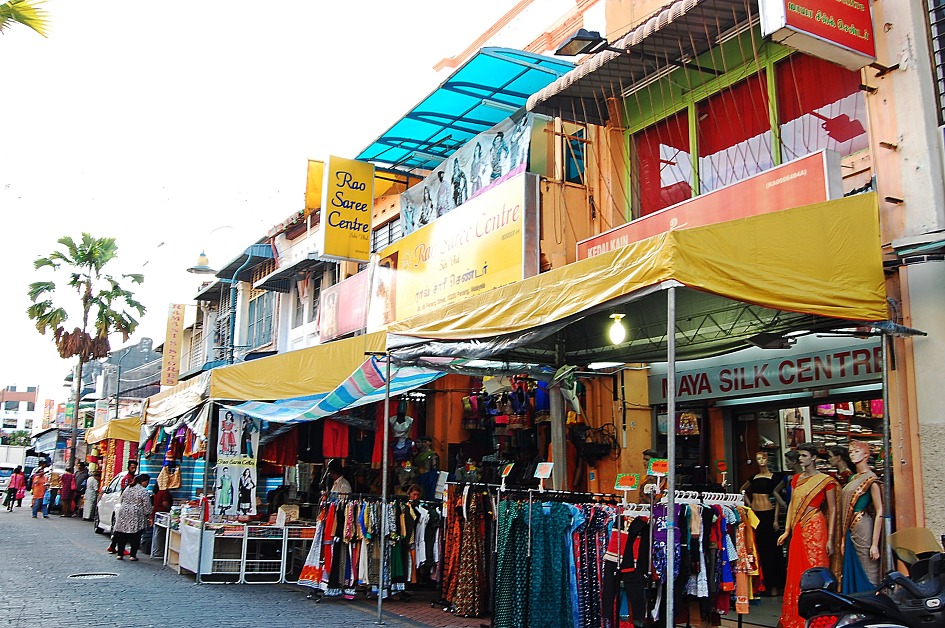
x: 37, y: 556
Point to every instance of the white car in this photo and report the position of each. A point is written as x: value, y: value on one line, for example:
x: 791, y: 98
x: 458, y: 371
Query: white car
x: 6, y: 472
x: 108, y: 504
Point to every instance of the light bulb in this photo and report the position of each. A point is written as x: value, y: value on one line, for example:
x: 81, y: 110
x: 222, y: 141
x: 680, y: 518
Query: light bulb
x: 618, y: 333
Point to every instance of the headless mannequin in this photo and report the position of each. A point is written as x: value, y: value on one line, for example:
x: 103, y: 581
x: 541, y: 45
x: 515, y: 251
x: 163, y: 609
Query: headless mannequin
x: 761, y: 494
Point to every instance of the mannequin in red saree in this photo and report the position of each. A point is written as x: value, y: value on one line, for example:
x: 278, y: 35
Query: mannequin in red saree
x: 810, y: 531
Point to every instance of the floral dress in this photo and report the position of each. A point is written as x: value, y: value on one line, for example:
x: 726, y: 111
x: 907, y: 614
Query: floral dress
x: 135, y: 510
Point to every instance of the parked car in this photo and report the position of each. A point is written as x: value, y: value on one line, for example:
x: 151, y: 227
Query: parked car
x: 6, y: 472
x: 108, y: 504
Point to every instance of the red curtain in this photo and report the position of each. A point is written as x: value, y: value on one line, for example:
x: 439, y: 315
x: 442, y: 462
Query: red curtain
x: 807, y: 83
x: 735, y: 114
x: 663, y: 177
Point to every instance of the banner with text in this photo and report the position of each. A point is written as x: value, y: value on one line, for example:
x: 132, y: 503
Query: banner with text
x: 482, y: 163
x: 347, y: 209
x: 829, y: 367
x: 173, y: 338
x: 488, y: 242
x: 811, y: 179
x: 237, y: 444
x: 840, y: 31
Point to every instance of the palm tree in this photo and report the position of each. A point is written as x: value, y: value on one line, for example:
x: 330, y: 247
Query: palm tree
x: 104, y: 303
x: 25, y: 12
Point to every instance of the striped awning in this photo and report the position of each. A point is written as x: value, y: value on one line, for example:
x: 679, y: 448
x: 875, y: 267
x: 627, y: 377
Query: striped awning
x: 366, y: 385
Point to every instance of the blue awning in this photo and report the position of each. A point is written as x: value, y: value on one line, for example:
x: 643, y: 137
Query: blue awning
x: 366, y: 385
x: 484, y: 91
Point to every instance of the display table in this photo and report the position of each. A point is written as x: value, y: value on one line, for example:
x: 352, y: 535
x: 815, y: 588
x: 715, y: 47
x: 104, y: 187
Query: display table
x: 236, y: 552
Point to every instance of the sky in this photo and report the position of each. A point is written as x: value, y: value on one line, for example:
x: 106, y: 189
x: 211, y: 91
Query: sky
x: 181, y: 128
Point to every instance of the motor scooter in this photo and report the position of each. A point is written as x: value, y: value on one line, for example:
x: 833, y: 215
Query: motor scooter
x: 918, y: 603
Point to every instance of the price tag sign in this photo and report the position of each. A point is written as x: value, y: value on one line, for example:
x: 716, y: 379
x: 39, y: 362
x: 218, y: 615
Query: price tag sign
x: 658, y: 467
x: 507, y: 469
x: 721, y: 465
x: 627, y: 482
x: 543, y: 470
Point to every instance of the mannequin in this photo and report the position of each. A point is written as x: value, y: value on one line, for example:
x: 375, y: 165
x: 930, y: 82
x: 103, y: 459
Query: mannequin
x: 839, y: 457
x: 861, y: 524
x: 761, y: 495
x: 811, y: 533
x: 400, y: 428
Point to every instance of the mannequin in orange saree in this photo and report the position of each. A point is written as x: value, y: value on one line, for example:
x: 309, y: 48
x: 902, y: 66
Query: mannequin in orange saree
x: 811, y: 533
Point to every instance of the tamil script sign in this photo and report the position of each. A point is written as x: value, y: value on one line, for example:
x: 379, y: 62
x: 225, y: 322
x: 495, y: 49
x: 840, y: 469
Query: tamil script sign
x: 840, y: 31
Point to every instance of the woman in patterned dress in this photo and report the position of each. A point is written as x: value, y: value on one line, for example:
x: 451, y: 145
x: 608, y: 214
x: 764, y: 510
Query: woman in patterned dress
x: 134, y: 515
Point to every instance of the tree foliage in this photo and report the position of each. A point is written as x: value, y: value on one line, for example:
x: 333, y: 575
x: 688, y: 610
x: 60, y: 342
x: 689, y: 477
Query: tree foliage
x: 105, y: 305
x: 25, y: 12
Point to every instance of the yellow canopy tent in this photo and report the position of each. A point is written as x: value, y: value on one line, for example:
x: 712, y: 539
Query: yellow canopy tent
x: 128, y: 429
x: 309, y: 371
x: 804, y: 269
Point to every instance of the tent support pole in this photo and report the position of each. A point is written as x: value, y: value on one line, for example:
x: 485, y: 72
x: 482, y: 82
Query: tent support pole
x: 670, y: 452
x: 559, y: 452
x: 887, y: 454
x: 206, y: 502
x: 384, y: 506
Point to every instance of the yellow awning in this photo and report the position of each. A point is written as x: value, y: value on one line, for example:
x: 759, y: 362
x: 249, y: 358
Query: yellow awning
x: 128, y: 429
x: 310, y: 371
x: 821, y: 260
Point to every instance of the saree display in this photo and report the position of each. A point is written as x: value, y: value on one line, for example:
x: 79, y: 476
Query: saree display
x: 809, y: 536
x: 860, y: 572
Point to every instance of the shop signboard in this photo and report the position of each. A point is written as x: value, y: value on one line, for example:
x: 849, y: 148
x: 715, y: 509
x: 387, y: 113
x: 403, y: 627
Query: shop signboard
x: 840, y: 31
x: 828, y: 367
x: 347, y: 209
x: 488, y: 242
x: 237, y: 445
x: 804, y: 181
x: 343, y: 307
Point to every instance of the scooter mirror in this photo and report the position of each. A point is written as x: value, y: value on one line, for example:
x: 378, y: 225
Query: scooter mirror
x: 818, y: 578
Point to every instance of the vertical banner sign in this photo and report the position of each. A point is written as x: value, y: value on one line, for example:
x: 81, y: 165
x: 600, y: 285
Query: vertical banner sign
x: 173, y: 337
x: 347, y: 208
x: 237, y: 445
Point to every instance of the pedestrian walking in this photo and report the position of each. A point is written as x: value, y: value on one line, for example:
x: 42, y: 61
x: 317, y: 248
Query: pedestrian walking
x: 40, y: 494
x: 134, y: 516
x: 91, y: 495
x: 81, y: 479
x: 67, y: 493
x: 21, y: 491
x: 126, y: 480
x: 17, y: 481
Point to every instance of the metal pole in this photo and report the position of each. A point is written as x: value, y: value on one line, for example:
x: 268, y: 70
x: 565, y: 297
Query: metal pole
x: 384, y: 471
x: 670, y: 450
x: 887, y: 453
x: 206, y: 501
x: 75, y: 416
